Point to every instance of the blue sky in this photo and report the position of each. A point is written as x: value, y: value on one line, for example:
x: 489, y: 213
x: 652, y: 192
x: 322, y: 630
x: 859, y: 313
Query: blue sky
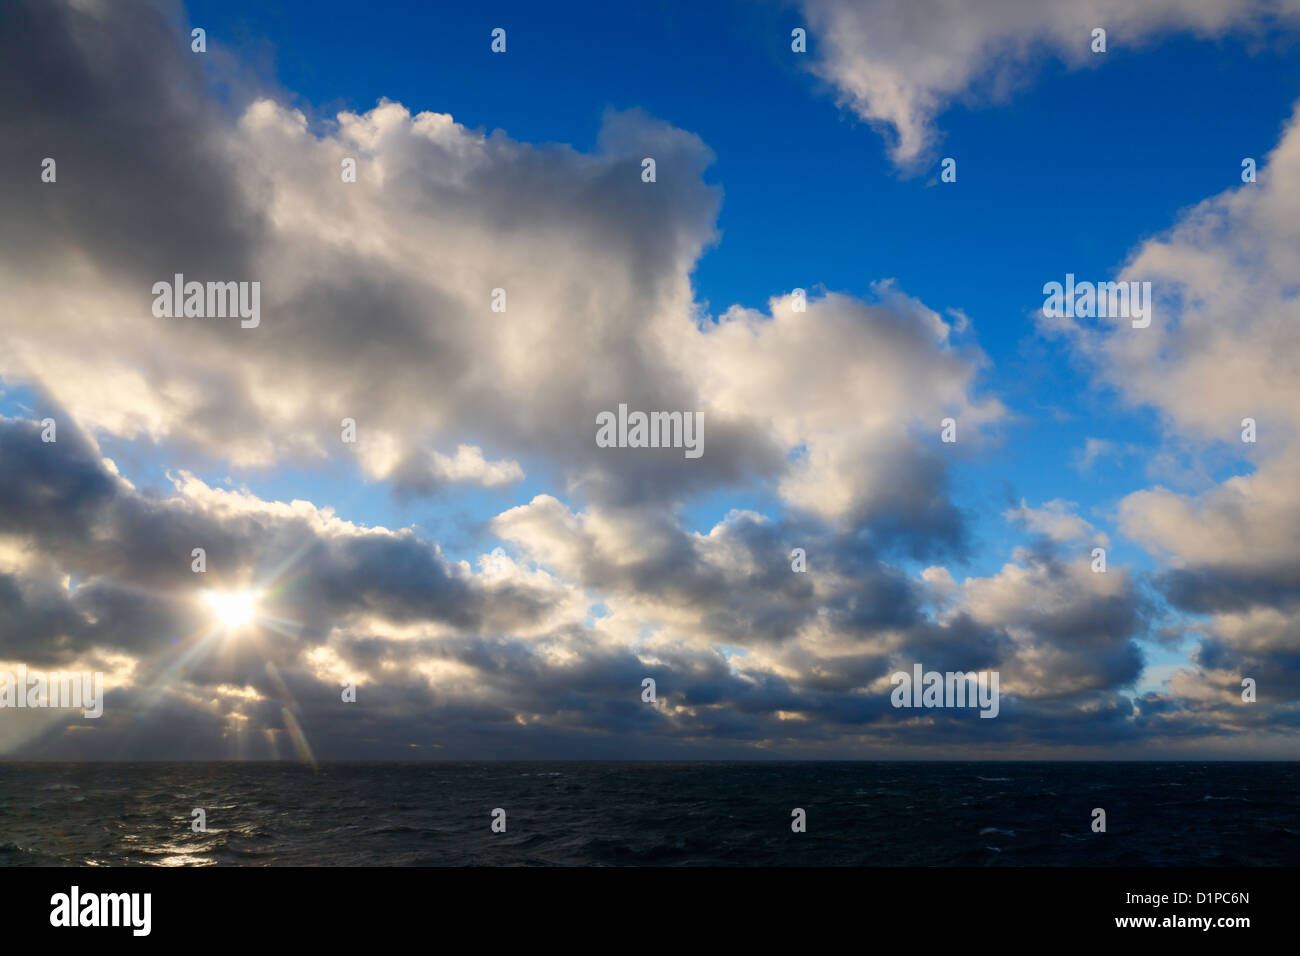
x: 1078, y: 163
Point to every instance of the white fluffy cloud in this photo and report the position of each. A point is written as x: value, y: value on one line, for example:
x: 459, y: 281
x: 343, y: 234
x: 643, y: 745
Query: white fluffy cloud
x: 854, y: 392
x: 899, y: 63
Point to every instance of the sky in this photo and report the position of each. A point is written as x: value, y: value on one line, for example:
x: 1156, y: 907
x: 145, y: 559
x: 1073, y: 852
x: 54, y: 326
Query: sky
x: 466, y: 572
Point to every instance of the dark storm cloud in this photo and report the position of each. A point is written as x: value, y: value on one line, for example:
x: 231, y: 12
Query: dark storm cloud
x: 113, y: 94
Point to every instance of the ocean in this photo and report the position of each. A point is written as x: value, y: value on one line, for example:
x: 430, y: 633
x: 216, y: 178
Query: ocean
x: 655, y: 814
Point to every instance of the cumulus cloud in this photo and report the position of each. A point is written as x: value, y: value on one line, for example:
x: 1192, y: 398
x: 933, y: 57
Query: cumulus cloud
x: 377, y: 307
x: 1073, y: 628
x: 1220, y: 349
x: 376, y: 304
x: 854, y: 393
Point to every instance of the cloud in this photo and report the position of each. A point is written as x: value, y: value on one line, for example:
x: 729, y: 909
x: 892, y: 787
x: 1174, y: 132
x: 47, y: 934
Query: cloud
x: 1220, y: 349
x: 899, y: 63
x: 375, y: 296
x: 131, y: 554
x: 438, y: 649
x: 854, y: 394
x: 1073, y: 629
x: 1095, y: 449
x: 377, y: 306
x: 1056, y: 520
x: 424, y: 473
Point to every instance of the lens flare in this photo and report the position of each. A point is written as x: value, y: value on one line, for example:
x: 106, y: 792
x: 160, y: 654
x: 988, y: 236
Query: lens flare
x: 233, y: 609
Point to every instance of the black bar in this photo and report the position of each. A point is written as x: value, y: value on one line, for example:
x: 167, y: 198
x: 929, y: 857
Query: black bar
x: 653, y: 907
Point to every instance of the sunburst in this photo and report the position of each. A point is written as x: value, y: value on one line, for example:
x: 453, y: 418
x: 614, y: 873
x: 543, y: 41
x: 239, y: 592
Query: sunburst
x: 234, y: 609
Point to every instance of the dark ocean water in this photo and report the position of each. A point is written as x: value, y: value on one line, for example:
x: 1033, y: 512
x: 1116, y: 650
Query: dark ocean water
x: 662, y: 814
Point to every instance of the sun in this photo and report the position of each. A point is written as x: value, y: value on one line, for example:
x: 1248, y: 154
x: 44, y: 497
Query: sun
x: 234, y: 609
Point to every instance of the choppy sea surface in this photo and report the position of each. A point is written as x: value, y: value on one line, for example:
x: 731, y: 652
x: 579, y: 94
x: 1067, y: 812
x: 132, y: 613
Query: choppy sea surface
x: 658, y: 814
